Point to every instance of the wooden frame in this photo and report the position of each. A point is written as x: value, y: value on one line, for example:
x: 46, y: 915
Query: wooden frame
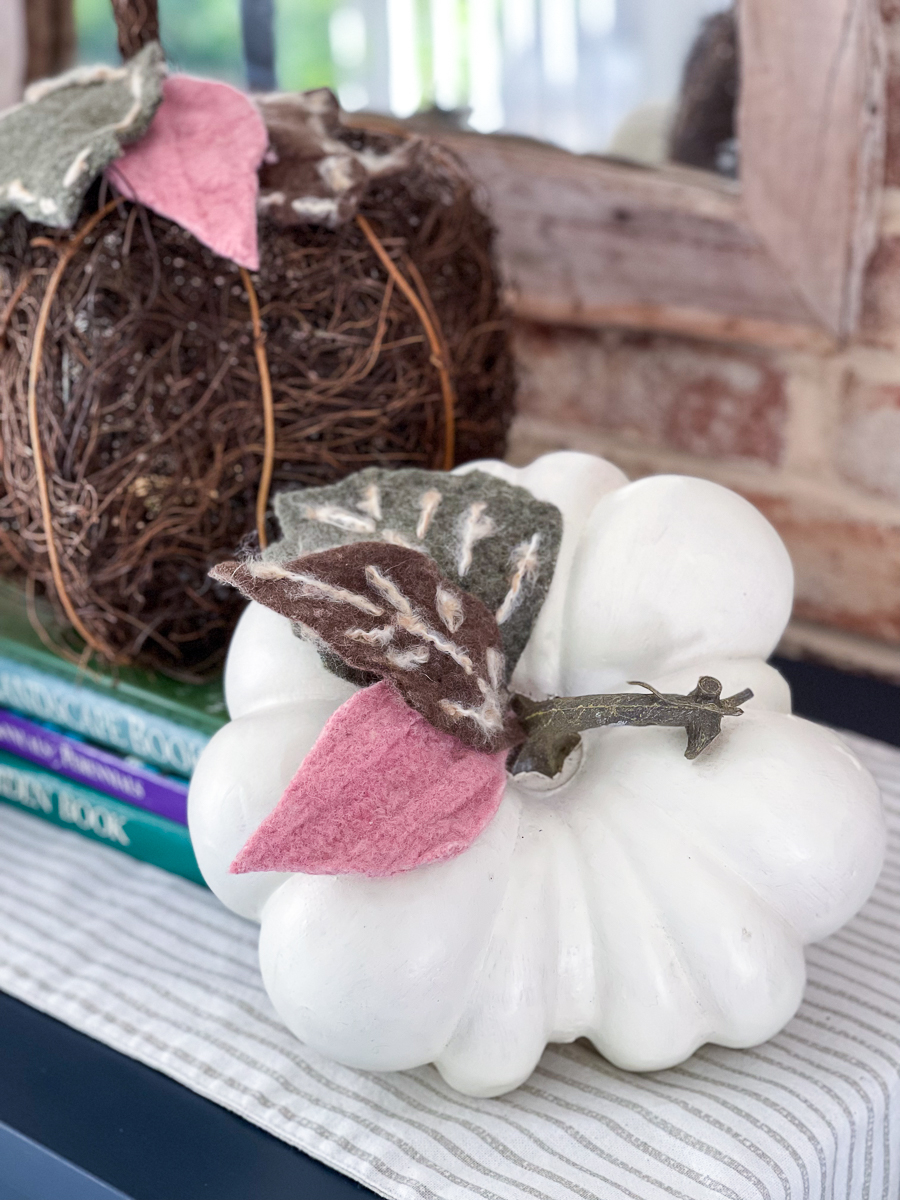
x: 776, y: 259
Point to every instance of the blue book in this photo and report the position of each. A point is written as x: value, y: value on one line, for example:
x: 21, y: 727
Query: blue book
x: 157, y: 719
x: 134, y: 831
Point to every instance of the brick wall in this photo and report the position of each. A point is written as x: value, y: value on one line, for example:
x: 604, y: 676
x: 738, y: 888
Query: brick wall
x: 813, y: 439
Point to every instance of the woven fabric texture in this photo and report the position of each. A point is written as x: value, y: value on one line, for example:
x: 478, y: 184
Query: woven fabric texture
x: 156, y: 968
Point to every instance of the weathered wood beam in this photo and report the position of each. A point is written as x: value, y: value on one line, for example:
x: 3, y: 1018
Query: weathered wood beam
x: 811, y: 127
x: 590, y: 241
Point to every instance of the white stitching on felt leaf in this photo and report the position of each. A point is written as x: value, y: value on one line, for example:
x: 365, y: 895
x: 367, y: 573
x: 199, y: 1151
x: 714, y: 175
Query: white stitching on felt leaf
x: 409, y: 660
x: 407, y: 618
x: 488, y: 716
x: 371, y: 501
x: 428, y: 505
x: 449, y: 608
x: 393, y: 538
x: 371, y: 637
x: 341, y: 518
x: 310, y: 586
x: 525, y: 567
x: 475, y: 527
x: 495, y: 663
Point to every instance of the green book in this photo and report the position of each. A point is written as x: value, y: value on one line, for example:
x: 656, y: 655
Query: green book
x: 159, y: 720
x: 136, y: 831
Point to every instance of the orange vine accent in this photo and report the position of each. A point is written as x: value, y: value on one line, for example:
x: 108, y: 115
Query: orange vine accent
x: 432, y: 331
x: 34, y: 368
x: 265, y: 383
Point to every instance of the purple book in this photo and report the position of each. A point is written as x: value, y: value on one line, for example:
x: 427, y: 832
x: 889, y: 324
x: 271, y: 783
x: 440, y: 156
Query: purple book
x: 123, y: 778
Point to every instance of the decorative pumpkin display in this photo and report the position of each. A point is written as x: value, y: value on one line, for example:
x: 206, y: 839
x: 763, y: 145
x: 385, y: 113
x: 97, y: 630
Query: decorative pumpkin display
x: 437, y: 887
x: 205, y: 296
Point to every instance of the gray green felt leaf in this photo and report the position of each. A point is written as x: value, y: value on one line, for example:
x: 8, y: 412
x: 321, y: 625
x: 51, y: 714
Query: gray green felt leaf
x: 489, y: 537
x: 55, y: 144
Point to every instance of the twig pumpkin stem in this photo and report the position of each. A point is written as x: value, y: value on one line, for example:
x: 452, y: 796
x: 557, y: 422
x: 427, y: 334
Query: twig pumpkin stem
x: 553, y: 727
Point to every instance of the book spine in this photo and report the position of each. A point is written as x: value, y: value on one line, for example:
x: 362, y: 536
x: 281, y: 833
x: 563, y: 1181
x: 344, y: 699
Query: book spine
x: 103, y: 719
x: 100, y: 769
x: 141, y: 834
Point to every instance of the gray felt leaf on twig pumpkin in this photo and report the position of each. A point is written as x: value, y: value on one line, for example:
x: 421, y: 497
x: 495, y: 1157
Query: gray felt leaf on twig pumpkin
x: 55, y: 144
x: 388, y: 611
x: 489, y: 537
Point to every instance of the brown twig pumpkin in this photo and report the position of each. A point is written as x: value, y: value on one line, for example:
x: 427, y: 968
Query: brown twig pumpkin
x: 152, y: 392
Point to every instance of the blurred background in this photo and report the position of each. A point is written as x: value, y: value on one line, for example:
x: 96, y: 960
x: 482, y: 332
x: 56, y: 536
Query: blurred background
x: 590, y: 75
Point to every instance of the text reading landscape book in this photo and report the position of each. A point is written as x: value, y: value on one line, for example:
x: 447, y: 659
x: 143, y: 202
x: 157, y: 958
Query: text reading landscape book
x: 142, y: 834
x: 159, y: 720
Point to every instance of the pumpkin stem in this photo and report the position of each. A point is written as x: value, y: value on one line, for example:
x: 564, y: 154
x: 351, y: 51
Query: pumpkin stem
x: 553, y: 727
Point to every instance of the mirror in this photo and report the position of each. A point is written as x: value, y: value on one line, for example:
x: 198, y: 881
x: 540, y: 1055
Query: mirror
x: 644, y: 80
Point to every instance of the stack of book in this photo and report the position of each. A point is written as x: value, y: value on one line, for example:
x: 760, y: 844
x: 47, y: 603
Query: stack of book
x: 105, y: 752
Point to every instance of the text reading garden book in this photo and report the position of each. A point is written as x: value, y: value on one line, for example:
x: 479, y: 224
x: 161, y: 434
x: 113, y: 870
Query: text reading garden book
x: 137, y: 712
x: 66, y: 754
x: 141, y: 834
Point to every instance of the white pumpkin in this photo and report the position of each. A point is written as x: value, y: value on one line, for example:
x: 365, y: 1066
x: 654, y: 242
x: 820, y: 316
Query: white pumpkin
x: 641, y: 900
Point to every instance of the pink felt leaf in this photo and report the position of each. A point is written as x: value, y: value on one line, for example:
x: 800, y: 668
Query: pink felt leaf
x: 198, y: 163
x: 381, y: 791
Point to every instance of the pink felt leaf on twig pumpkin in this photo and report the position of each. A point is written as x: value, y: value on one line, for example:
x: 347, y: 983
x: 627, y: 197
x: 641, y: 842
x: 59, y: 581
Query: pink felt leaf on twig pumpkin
x: 198, y: 163
x: 382, y: 791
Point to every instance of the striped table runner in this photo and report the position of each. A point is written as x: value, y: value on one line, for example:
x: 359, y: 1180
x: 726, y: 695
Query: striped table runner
x: 156, y: 968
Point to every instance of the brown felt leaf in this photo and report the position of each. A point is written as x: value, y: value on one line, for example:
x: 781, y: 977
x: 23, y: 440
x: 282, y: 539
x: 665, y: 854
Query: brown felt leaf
x: 387, y: 610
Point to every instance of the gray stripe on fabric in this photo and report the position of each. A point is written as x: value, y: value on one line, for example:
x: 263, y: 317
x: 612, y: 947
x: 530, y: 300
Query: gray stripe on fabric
x: 133, y: 940
x: 134, y: 879
x: 770, y: 1102
x: 507, y: 1102
x: 829, y: 1052
x: 183, y: 939
x: 483, y: 1135
x: 788, y: 1068
x: 881, y: 1082
x: 588, y: 1143
x: 670, y: 1088
x: 641, y: 1083
x: 683, y: 1073
x: 639, y: 1143
x: 853, y: 1085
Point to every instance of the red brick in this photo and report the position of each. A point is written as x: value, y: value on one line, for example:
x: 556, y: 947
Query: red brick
x: 868, y: 444
x: 847, y: 571
x: 880, y: 317
x: 656, y: 390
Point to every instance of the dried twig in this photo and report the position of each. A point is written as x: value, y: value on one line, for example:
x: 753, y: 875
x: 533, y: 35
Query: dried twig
x: 553, y: 726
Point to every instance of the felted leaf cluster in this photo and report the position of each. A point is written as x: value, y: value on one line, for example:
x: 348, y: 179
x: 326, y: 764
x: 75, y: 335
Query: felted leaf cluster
x: 488, y: 537
x: 386, y: 610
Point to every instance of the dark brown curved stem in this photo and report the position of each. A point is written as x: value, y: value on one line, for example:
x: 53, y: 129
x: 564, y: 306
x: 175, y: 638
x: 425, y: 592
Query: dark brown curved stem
x: 137, y: 23
x: 553, y: 727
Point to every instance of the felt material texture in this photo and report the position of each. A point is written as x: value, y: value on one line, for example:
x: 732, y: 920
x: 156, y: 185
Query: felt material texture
x: 381, y: 792
x: 312, y: 173
x: 198, y: 165
x: 487, y: 536
x: 55, y: 144
x: 387, y: 611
